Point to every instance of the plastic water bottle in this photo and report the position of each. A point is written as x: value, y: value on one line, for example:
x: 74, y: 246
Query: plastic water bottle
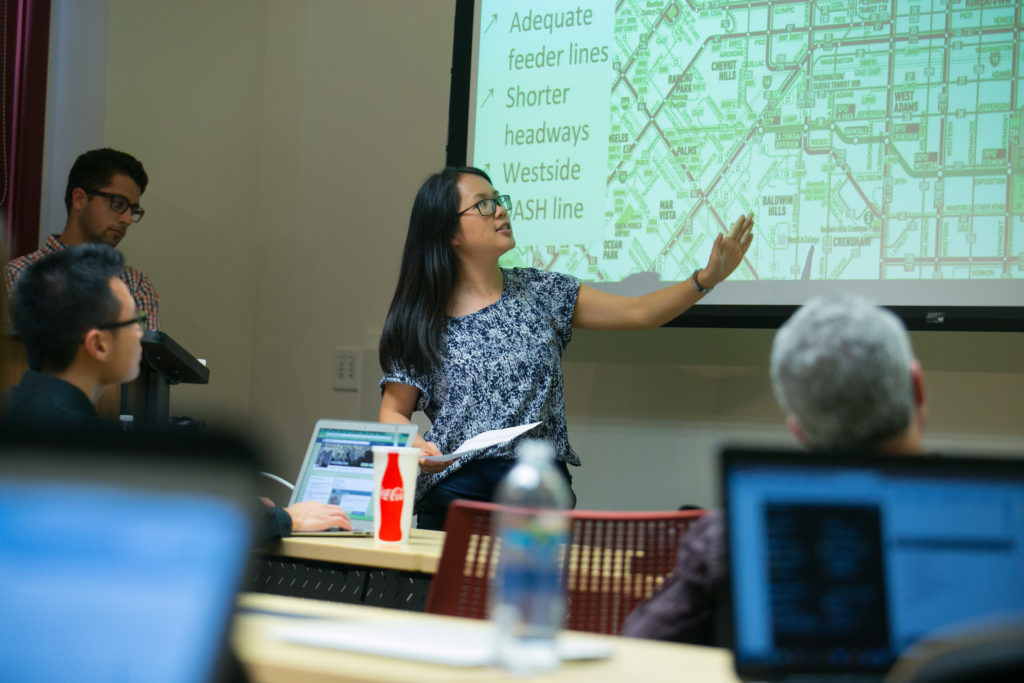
x: 527, y: 596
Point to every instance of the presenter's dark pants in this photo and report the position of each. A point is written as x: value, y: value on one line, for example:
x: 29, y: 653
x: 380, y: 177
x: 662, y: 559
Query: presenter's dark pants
x: 476, y: 480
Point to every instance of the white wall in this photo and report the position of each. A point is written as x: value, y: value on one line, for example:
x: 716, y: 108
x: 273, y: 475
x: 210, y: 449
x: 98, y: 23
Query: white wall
x: 355, y: 117
x: 649, y: 410
x: 76, y: 98
x: 285, y: 142
x: 185, y: 94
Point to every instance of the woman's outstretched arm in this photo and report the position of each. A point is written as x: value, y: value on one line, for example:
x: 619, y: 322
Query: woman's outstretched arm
x: 597, y: 310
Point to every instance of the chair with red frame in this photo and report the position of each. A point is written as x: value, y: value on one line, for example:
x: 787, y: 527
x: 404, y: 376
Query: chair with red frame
x: 616, y: 560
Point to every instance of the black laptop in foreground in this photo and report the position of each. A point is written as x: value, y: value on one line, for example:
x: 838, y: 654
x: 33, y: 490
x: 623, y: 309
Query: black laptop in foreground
x: 121, y: 553
x: 839, y: 563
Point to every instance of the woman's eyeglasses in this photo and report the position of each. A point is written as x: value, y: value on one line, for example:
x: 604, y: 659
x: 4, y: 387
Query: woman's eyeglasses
x: 487, y: 207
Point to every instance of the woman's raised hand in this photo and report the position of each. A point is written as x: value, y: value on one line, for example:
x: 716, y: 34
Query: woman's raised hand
x: 728, y: 251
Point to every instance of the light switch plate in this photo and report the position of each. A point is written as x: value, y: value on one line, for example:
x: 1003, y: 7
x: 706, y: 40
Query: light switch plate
x: 346, y: 369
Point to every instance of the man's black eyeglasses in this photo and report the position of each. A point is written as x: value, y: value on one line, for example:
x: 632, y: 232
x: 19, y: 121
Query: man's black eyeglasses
x: 487, y: 207
x: 139, y: 319
x: 119, y: 204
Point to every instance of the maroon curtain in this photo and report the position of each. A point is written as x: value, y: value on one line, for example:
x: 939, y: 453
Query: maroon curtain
x: 26, y: 25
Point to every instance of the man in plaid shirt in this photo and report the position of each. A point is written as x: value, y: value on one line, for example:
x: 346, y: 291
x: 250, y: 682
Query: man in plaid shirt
x: 102, y: 200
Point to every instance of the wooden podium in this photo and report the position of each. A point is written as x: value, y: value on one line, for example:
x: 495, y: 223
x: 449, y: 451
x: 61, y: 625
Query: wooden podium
x: 147, y: 398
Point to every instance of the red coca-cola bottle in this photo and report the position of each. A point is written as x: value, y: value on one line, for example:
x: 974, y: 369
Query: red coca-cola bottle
x: 392, y: 498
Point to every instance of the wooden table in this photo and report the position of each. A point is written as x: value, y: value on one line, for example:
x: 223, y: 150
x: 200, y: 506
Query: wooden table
x: 422, y: 554
x: 270, y: 661
x: 349, y: 569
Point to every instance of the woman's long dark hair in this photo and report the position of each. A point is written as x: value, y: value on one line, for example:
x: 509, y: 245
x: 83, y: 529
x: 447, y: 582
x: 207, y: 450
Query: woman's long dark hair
x: 413, y: 334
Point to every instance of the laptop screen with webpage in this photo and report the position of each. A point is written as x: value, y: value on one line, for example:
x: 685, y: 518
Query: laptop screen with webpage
x: 839, y: 563
x: 338, y: 467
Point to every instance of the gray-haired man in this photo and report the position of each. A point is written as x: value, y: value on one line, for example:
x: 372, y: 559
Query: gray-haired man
x: 844, y: 373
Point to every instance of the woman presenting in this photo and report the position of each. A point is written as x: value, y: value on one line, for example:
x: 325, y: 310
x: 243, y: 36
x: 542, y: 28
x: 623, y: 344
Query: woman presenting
x: 478, y: 347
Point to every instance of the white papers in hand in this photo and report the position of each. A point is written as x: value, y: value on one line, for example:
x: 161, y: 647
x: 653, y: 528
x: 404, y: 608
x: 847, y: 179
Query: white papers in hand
x: 485, y: 439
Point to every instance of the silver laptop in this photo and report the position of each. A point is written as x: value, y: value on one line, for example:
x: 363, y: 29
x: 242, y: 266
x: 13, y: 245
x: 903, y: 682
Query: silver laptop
x: 338, y: 468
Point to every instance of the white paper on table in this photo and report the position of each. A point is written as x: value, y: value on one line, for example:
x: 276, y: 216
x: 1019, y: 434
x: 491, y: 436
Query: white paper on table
x: 453, y: 644
x: 483, y: 440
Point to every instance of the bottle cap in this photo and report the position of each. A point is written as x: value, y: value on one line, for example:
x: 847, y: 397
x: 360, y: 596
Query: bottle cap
x: 535, y: 451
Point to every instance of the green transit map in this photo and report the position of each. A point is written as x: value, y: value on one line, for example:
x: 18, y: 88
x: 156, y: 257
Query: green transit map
x: 872, y: 140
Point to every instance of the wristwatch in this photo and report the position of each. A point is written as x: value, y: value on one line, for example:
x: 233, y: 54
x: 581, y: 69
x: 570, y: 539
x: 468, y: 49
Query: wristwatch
x: 696, y: 285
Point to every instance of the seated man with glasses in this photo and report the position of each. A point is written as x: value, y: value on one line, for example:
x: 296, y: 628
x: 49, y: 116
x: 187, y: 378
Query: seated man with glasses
x: 102, y: 200
x: 82, y: 334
